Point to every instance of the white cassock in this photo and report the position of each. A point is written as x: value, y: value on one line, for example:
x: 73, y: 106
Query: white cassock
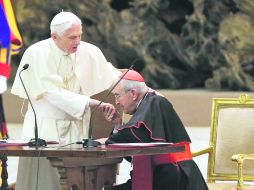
x: 60, y: 86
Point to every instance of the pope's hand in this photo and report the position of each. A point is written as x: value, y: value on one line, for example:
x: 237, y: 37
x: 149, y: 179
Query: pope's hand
x: 113, y: 116
x: 107, y: 109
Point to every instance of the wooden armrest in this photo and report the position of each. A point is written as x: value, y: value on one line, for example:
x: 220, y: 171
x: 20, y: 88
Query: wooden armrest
x: 239, y: 158
x: 208, y: 150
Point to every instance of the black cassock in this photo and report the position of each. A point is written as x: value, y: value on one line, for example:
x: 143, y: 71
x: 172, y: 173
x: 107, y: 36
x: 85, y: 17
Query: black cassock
x: 155, y: 120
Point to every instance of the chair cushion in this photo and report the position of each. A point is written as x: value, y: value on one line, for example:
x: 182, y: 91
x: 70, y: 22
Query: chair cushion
x: 235, y: 134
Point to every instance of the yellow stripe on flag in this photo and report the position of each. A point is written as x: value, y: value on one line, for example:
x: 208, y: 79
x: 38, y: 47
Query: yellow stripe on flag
x: 3, y: 55
x: 13, y: 26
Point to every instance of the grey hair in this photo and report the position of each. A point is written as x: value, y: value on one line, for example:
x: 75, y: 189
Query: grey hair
x: 63, y: 21
x: 129, y: 84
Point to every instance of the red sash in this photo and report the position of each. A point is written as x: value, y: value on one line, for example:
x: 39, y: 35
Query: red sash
x: 143, y: 166
x: 173, y: 157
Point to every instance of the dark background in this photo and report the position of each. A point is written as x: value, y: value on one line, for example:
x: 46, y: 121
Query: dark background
x: 175, y: 44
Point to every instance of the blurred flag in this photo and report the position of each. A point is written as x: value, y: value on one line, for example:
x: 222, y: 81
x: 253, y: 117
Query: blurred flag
x: 10, y: 44
x: 10, y: 38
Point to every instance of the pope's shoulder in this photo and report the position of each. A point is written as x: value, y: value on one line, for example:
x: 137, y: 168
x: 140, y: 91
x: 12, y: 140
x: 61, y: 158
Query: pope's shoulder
x: 88, y: 47
x: 87, y: 44
x: 39, y: 45
x: 45, y: 45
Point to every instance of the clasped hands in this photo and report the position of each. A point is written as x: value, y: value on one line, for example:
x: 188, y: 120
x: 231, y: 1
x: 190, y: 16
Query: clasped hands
x: 110, y: 113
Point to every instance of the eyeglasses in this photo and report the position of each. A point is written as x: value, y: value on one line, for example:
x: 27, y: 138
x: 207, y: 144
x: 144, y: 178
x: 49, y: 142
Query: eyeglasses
x: 117, y: 96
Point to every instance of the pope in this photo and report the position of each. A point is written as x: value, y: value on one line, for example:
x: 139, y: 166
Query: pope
x: 63, y: 73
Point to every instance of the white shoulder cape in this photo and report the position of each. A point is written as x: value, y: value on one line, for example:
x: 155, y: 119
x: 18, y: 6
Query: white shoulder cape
x: 93, y: 71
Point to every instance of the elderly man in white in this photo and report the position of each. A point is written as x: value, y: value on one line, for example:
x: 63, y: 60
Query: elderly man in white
x: 63, y: 73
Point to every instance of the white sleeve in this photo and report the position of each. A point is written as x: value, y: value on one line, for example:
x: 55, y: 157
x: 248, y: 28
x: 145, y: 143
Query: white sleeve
x: 72, y: 103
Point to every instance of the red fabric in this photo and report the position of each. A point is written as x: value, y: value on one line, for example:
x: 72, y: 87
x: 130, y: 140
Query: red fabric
x: 5, y: 70
x: 15, y: 40
x: 142, y: 177
x: 132, y: 75
x: 143, y: 166
x: 174, y: 157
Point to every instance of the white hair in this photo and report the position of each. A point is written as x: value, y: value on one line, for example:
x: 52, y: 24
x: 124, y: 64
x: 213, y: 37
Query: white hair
x: 129, y: 84
x: 63, y: 21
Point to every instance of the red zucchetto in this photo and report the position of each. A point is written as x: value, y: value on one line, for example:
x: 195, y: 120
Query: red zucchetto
x: 132, y: 75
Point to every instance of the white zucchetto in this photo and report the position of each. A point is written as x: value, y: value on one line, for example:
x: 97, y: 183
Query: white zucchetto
x: 63, y: 21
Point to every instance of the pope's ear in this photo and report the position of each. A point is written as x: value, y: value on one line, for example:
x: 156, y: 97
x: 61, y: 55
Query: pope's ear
x: 53, y: 36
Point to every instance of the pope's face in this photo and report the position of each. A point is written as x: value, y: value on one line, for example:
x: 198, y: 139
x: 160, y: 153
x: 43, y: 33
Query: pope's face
x: 70, y: 40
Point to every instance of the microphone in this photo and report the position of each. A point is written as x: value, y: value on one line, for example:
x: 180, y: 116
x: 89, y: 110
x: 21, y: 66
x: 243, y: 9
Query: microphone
x: 35, y: 141
x: 90, y: 142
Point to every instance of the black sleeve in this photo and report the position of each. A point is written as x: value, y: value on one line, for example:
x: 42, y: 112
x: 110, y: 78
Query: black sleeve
x: 130, y: 135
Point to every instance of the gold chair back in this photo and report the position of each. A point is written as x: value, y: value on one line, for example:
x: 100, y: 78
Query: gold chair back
x: 231, y: 133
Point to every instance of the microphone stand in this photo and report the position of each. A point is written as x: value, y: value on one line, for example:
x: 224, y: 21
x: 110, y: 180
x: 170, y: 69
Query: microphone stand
x: 90, y: 142
x: 37, y: 142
